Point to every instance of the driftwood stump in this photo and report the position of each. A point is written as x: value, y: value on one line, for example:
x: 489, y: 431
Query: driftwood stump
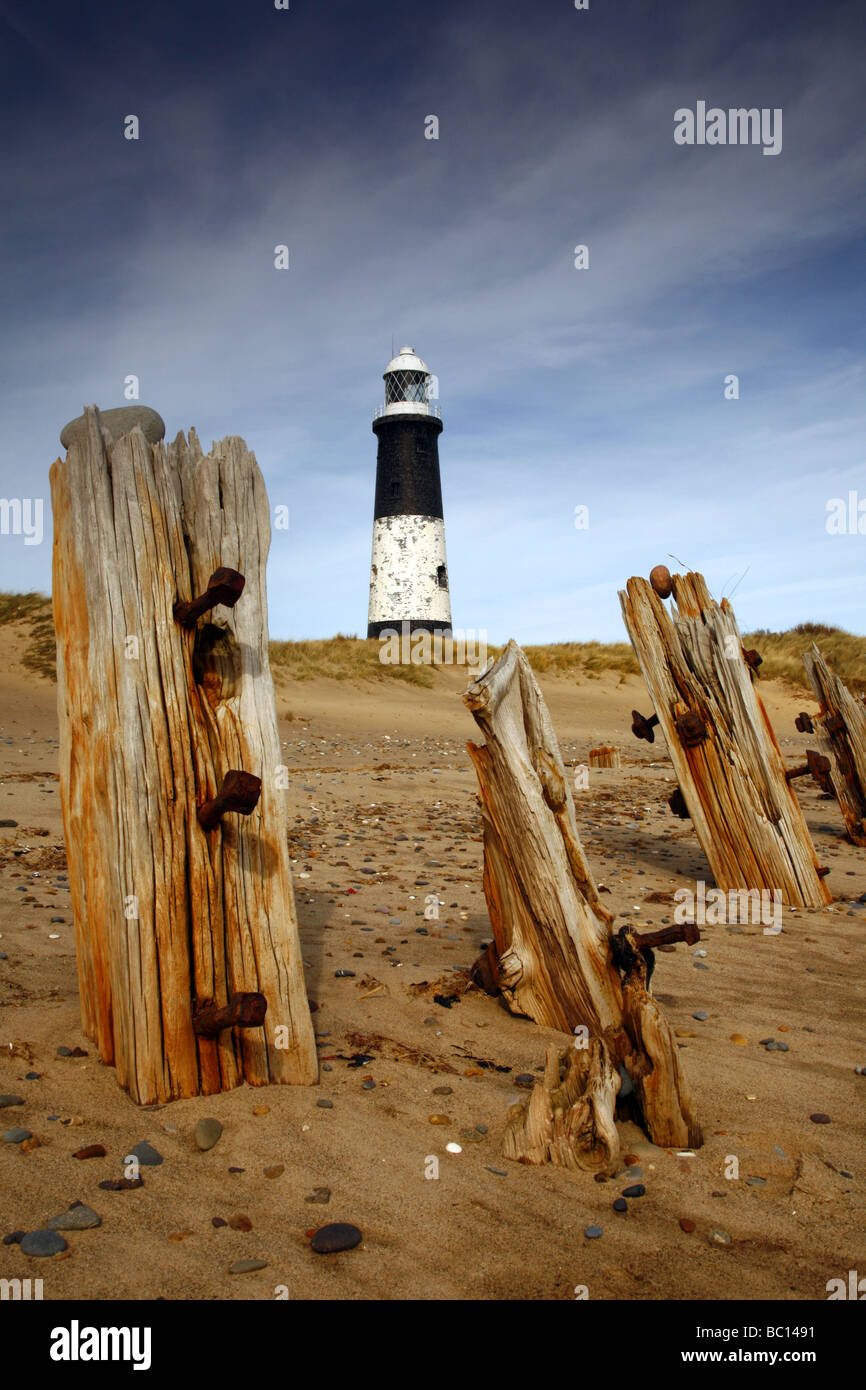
x: 841, y: 730
x: 605, y: 756
x: 727, y: 761
x: 174, y: 921
x: 553, y: 956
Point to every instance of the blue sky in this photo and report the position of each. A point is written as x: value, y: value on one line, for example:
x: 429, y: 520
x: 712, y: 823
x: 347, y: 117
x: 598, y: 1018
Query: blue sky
x: 559, y: 388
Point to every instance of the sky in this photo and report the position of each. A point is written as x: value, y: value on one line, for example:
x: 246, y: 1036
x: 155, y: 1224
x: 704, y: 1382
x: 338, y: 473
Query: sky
x: 561, y: 388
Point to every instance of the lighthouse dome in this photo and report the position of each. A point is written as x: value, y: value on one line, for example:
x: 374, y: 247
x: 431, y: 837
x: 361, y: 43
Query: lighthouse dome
x: 407, y: 385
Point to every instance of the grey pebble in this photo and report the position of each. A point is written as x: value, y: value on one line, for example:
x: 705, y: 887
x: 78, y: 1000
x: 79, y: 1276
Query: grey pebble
x: 593, y: 1232
x: 16, y: 1136
x: 146, y: 1154
x: 78, y: 1217
x: 324, y: 1104
x: 207, y: 1133
x: 42, y: 1243
x: 700, y: 1015
x: 117, y: 422
x: 247, y: 1266
x: 636, y: 1190
x: 10, y: 1100
x: 498, y: 1172
x: 756, y: 1182
x: 330, y: 1240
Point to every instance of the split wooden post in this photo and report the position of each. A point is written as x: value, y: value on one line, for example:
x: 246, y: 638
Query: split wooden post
x: 158, y: 712
x: 841, y: 730
x: 554, y: 956
x: 605, y: 756
x: 727, y: 761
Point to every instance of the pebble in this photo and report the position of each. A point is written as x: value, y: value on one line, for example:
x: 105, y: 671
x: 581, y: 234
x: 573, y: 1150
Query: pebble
x: 593, y: 1232
x: 146, y: 1155
x: 261, y: 1110
x: 117, y: 422
x: 443, y: 1091
x: 344, y: 974
x: 636, y: 1190
x: 687, y: 1225
x: 620, y: 1204
x: 368, y: 1085
x: 240, y: 1222
x: 497, y: 1172
x: 439, y: 1119
x: 207, y: 1133
x: 42, y: 1243
x: 525, y: 1080
x: 121, y: 1184
x: 247, y: 1266
x: 630, y: 1160
x: 10, y: 1100
x: 482, y: 1129
x: 321, y: 1195
x: 860, y: 1071
x: 77, y: 1217
x: 739, y: 1040
x: 32, y: 1076
x: 756, y: 1182
x: 329, y: 1240
x: 700, y: 1015
x: 16, y: 1136
x: 90, y: 1151
x: 324, y: 1104
x: 819, y: 1118
x: 276, y: 1171
x: 719, y: 1237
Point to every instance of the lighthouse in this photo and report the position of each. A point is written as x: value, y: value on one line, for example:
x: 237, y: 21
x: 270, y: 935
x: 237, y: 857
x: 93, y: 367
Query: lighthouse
x: 408, y: 573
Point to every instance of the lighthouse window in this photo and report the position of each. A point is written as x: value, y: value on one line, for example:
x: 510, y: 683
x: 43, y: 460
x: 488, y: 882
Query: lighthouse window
x: 442, y: 576
x: 406, y: 386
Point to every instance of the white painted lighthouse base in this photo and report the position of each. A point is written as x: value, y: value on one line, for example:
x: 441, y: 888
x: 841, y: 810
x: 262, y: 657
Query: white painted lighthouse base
x: 409, y: 576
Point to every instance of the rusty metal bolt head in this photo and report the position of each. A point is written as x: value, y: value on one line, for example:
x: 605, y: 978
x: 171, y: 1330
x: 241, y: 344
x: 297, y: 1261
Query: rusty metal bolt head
x: 691, y: 728
x: 803, y: 723
x: 819, y: 766
x: 643, y: 728
x: 225, y: 586
x: 240, y: 791
x: 678, y: 806
x: 752, y: 658
x: 660, y: 578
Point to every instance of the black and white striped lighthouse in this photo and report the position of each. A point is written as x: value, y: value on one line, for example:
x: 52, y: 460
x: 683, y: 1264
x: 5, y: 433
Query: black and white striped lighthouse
x: 408, y: 575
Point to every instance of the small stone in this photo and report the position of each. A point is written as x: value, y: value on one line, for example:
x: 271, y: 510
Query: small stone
x: 325, y: 1104
x: 439, y: 1119
x: 146, y: 1155
x: 756, y: 1182
x: 687, y: 1225
x: 630, y: 1160
x: 636, y: 1190
x: 32, y: 1076
x: 593, y: 1232
x: 525, y: 1080
x: 28, y: 1145
x: 240, y: 1222
x: 482, y: 1129
x: 78, y: 1217
x: 860, y: 1071
x: 10, y: 1100
x: 320, y: 1195
x: 121, y: 1184
x: 262, y: 1110
x: 344, y: 974
x: 117, y: 422
x: 819, y: 1118
x: 8, y: 824
x: 207, y: 1133
x: 620, y: 1204
x: 443, y: 1091
x: 700, y: 1015
x: 218, y: 1221
x: 739, y: 1040
x: 247, y: 1266
x: 64, y: 1052
x: 16, y: 1136
x: 276, y: 1171
x: 42, y: 1243
x: 90, y: 1151
x: 719, y: 1237
x: 329, y: 1240
x: 497, y: 1172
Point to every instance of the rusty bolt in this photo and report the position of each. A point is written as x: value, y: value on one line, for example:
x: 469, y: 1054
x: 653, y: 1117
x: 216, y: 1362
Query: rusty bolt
x: 678, y: 806
x: 803, y: 723
x: 242, y: 1011
x: 660, y: 578
x: 240, y: 791
x: 691, y: 728
x: 752, y: 658
x: 817, y: 766
x: 643, y: 728
x: 822, y: 873
x: 224, y: 586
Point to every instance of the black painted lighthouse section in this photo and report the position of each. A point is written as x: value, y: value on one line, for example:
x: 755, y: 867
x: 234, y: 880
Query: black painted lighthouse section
x: 407, y: 466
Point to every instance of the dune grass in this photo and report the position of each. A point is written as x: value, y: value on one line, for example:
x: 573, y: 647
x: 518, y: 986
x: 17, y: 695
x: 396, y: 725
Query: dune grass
x: 354, y: 658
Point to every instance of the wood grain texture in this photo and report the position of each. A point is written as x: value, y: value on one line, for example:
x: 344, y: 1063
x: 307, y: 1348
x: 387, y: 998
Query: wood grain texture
x: 552, y: 956
x: 744, y: 812
x: 170, y: 918
x: 841, y: 730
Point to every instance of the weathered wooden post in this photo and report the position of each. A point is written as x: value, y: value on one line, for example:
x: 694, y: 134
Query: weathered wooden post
x: 189, y: 964
x: 841, y: 730
x: 554, y: 958
x: 730, y: 770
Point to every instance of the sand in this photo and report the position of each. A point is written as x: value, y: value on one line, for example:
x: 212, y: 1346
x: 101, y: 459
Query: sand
x: 371, y: 763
